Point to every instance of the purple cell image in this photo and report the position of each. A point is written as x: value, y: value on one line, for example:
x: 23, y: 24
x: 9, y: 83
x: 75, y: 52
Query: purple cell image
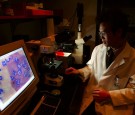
x: 4, y: 63
x: 19, y: 70
x: 1, y: 91
x: 1, y: 78
x: 12, y: 78
x: 1, y: 94
x: 15, y: 74
x: 16, y: 60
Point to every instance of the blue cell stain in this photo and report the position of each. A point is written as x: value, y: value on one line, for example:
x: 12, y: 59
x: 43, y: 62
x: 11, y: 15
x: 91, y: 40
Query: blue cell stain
x: 1, y: 78
x: 1, y: 91
x: 28, y: 68
x: 4, y: 63
x: 27, y: 74
x: 19, y: 72
x: 16, y: 60
x: 12, y: 78
x: 24, y: 65
x: 19, y: 66
x: 14, y: 72
x: 18, y: 82
x: 7, y: 60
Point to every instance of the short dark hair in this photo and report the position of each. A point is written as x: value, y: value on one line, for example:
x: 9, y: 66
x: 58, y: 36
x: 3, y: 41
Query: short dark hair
x: 116, y: 18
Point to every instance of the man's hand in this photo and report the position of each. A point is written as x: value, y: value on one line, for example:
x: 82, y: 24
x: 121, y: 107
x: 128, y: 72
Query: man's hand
x: 71, y: 70
x: 101, y: 96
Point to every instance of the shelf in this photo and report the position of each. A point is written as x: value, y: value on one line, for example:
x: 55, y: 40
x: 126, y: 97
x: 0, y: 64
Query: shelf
x: 22, y: 17
x: 30, y: 14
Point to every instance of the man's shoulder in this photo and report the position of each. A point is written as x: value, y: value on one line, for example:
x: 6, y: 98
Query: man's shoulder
x: 100, y: 47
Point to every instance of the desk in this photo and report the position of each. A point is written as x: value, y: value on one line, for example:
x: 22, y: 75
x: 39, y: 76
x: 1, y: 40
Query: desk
x: 63, y: 104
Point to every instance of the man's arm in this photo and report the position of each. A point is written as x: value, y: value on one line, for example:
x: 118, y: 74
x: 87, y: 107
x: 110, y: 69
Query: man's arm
x: 84, y: 73
x: 126, y: 95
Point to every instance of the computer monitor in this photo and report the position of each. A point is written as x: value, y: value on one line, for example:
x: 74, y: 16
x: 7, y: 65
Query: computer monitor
x: 18, y: 77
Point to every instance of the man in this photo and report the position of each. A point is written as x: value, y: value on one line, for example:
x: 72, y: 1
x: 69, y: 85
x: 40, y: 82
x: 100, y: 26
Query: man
x: 111, y: 87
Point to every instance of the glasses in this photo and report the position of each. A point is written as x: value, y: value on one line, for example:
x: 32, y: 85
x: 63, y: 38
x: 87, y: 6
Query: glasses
x: 103, y: 34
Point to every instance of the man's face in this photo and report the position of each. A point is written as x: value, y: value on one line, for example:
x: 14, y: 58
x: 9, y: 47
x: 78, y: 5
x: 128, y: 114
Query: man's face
x: 107, y: 36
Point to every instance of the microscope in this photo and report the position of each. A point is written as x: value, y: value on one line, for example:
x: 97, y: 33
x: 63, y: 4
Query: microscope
x: 49, y: 67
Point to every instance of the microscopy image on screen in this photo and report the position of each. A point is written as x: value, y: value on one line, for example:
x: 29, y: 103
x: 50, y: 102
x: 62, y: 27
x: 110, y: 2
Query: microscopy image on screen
x: 15, y: 74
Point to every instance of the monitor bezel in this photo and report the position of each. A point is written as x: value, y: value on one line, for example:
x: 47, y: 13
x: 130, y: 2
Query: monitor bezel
x: 19, y: 102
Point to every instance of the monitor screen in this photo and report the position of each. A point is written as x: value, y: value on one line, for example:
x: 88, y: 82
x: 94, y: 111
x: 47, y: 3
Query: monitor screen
x: 16, y: 75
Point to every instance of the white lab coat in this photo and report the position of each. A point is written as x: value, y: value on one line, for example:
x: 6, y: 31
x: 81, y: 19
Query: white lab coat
x: 118, y: 79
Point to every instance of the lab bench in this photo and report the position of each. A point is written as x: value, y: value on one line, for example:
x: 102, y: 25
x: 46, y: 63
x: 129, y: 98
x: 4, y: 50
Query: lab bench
x: 44, y: 102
